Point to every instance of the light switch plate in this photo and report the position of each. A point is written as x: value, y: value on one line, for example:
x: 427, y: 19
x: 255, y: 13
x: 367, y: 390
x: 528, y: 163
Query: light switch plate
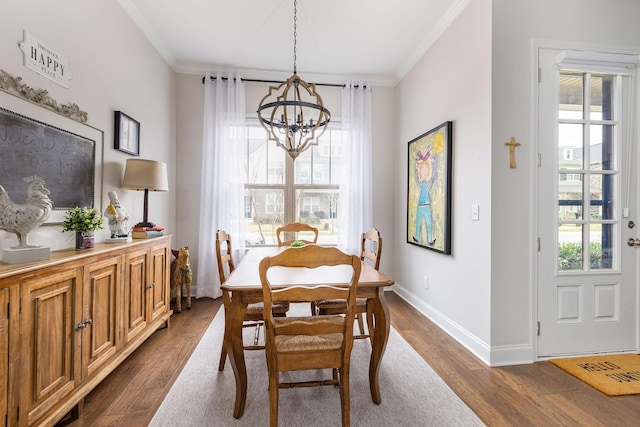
x: 475, y: 213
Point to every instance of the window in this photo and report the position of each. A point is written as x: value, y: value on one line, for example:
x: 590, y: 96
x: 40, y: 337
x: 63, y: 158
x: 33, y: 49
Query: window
x: 280, y: 191
x: 588, y: 174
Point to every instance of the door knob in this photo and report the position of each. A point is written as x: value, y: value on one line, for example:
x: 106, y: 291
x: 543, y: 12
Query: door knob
x: 633, y: 242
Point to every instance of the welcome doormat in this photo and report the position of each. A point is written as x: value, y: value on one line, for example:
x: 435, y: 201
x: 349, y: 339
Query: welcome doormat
x: 614, y: 375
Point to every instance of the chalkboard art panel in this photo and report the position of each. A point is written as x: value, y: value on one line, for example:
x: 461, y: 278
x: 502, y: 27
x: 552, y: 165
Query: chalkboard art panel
x: 66, y: 161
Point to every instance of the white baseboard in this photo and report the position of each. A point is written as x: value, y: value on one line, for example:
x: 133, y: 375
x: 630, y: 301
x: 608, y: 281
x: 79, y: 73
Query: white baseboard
x: 497, y: 356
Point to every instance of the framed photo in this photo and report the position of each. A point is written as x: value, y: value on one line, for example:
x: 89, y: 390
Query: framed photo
x: 429, y: 189
x: 127, y: 134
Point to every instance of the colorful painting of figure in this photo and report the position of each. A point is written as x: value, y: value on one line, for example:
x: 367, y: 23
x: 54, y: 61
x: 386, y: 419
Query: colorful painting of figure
x: 429, y: 192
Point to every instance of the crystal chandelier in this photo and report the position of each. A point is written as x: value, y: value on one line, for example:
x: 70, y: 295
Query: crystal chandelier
x: 292, y: 113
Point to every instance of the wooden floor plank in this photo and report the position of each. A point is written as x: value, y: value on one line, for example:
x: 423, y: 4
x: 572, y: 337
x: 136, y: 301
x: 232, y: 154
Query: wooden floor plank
x: 538, y: 394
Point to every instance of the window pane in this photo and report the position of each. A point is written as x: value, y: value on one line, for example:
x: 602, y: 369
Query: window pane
x: 570, y: 255
x: 602, y: 197
x: 320, y: 164
x: 601, y: 246
x: 266, y: 160
x: 319, y: 208
x: 602, y: 154
x: 268, y: 215
x: 601, y: 98
x: 570, y: 143
x: 570, y: 196
x: 256, y: 153
x: 337, y: 156
x: 571, y: 96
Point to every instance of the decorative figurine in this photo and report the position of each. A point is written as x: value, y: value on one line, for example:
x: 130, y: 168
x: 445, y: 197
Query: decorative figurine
x: 118, y: 217
x: 22, y: 219
x: 181, y: 274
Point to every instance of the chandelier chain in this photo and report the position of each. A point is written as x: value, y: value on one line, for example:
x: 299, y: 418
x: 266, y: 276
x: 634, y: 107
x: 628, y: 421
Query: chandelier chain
x: 295, y: 35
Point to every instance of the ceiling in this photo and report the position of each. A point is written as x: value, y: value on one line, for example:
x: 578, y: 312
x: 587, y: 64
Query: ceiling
x: 373, y: 40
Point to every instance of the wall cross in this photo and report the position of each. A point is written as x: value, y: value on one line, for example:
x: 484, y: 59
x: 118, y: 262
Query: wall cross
x: 512, y: 151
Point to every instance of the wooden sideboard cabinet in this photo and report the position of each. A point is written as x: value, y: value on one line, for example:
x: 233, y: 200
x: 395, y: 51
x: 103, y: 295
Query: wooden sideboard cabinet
x: 146, y: 293
x: 73, y: 320
x: 4, y: 353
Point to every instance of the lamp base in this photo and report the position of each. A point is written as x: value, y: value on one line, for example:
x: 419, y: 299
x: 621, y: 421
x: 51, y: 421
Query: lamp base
x: 145, y: 224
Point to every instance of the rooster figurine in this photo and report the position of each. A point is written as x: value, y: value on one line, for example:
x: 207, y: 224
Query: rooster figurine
x: 22, y: 219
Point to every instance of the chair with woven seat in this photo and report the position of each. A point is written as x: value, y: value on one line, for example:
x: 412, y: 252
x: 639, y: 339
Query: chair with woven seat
x: 253, y: 316
x: 309, y: 342
x: 370, y: 252
x: 298, y: 229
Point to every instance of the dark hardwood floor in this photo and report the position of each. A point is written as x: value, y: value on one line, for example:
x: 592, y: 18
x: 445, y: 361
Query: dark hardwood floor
x: 526, y: 395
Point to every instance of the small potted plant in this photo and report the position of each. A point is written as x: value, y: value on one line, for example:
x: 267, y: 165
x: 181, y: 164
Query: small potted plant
x: 84, y: 221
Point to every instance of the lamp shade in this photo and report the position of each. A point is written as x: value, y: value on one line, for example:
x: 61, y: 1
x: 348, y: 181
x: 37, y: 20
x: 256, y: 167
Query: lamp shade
x: 140, y: 174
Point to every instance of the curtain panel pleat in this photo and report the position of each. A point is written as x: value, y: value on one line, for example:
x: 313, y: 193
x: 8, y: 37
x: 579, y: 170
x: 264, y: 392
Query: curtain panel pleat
x: 222, y: 186
x: 355, y: 209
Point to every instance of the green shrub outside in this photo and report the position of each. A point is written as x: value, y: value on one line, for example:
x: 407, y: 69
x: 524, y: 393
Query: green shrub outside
x: 570, y: 256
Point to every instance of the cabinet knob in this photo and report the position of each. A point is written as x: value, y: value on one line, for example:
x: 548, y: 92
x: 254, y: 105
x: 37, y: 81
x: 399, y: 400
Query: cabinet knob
x: 149, y: 285
x: 83, y: 324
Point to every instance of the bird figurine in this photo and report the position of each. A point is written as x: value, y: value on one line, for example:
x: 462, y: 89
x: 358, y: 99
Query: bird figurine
x: 22, y: 219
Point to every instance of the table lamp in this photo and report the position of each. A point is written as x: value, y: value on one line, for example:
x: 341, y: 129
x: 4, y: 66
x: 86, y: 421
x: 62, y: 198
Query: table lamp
x: 147, y: 175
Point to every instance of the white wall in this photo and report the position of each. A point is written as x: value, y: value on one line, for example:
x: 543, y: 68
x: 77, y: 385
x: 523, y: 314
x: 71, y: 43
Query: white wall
x: 190, y: 101
x: 114, y: 67
x: 451, y: 82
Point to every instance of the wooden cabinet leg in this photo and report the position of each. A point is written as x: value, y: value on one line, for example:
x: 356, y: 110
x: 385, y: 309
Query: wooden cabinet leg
x: 76, y: 412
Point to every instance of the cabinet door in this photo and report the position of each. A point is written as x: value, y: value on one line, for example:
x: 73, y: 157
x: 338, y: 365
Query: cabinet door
x: 135, y: 301
x: 51, y: 303
x: 99, y: 297
x: 159, y: 275
x: 4, y: 353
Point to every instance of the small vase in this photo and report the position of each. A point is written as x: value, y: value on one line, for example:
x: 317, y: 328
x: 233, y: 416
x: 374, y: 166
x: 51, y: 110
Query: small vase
x: 84, y: 239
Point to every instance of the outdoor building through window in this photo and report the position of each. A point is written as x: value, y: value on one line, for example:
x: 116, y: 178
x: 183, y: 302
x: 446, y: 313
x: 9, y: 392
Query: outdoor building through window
x: 279, y: 190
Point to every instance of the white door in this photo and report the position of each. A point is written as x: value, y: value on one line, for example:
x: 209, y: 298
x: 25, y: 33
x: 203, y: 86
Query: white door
x: 587, y: 273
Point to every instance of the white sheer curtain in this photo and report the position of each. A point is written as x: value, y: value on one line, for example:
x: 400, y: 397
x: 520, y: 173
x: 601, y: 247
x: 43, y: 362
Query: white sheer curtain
x: 355, y: 210
x: 222, y: 186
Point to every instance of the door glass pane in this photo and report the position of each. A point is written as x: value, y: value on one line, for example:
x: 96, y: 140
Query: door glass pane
x: 268, y: 215
x: 601, y: 254
x: 570, y: 143
x: 570, y: 196
x: 571, y: 96
x: 601, y: 195
x: 601, y: 98
x: 601, y: 154
x: 570, y: 255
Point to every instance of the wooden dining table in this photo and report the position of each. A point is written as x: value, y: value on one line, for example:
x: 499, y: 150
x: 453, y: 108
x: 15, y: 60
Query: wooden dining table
x: 243, y: 287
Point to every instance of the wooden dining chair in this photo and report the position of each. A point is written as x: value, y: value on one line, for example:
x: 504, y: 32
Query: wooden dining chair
x: 253, y: 317
x: 309, y: 342
x: 370, y: 252
x: 299, y: 229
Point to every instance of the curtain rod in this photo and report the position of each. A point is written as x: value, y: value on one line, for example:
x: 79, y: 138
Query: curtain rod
x: 213, y: 78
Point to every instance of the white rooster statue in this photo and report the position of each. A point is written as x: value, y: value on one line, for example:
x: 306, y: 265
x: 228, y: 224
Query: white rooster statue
x: 22, y: 219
